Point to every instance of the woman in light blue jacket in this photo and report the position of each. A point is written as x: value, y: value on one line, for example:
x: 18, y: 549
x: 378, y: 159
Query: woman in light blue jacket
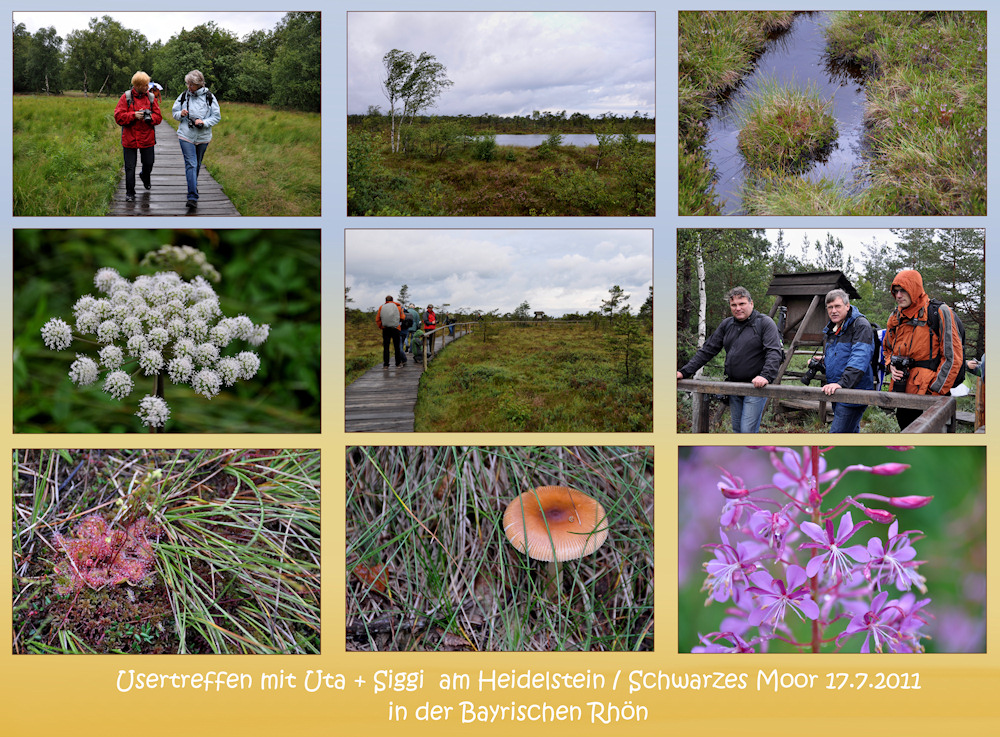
x: 198, y: 110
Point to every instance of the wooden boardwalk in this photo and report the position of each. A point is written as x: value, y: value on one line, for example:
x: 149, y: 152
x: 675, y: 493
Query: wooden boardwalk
x: 383, y: 400
x: 168, y: 195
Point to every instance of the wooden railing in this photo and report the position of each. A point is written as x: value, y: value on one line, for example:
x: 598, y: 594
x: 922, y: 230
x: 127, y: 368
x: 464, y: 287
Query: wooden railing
x: 466, y: 327
x: 938, y: 413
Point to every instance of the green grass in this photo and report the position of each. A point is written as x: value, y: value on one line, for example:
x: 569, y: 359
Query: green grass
x: 67, y: 155
x: 785, y: 128
x: 926, y: 112
x: 548, y: 378
x: 362, y: 345
x: 428, y: 566
x: 267, y: 161
x: 237, y: 551
x: 545, y: 180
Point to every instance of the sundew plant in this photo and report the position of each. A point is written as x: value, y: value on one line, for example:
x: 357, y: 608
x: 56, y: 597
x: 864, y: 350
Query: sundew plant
x: 156, y: 326
x: 791, y: 565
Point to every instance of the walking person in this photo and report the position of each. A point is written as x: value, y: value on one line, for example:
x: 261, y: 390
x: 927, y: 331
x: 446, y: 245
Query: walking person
x: 138, y: 113
x: 429, y: 319
x: 198, y: 111
x: 388, y: 318
x: 414, y: 315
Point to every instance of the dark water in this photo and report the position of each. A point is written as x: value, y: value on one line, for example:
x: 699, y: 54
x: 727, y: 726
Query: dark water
x: 797, y: 58
x: 530, y: 140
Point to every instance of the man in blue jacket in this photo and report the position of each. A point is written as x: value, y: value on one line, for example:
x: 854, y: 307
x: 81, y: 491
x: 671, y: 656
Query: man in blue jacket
x: 847, y: 348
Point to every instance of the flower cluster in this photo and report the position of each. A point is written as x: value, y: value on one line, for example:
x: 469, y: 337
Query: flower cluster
x: 154, y: 325
x: 99, y: 556
x: 787, y: 554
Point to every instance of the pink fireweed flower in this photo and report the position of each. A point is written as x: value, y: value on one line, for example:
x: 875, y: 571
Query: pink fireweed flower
x: 774, y: 597
x: 713, y: 642
x: 893, y: 562
x: 877, y: 624
x: 730, y: 569
x: 835, y: 558
x: 795, y: 473
x: 771, y: 527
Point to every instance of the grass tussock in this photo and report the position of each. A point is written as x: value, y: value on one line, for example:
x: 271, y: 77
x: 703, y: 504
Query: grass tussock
x: 716, y: 50
x: 927, y: 106
x: 67, y: 155
x: 544, y: 378
x: 785, y: 128
x: 224, y: 555
x: 267, y: 161
x: 429, y: 566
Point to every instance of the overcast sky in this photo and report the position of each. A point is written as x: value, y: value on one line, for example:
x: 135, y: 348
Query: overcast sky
x: 854, y: 239
x: 557, y: 271
x: 509, y: 63
x: 154, y: 26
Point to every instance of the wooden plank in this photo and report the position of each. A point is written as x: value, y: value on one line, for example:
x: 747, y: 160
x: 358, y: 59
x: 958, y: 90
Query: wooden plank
x: 383, y: 400
x: 168, y: 193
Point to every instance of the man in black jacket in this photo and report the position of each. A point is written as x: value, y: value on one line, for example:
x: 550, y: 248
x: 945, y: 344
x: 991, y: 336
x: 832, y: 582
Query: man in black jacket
x: 753, y: 353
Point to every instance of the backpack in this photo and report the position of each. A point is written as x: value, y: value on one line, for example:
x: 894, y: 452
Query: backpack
x: 128, y: 97
x: 208, y: 98
x: 934, y: 323
x: 878, y: 366
x: 407, y: 323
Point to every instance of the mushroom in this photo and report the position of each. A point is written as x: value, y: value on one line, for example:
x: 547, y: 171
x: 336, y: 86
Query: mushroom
x: 555, y: 523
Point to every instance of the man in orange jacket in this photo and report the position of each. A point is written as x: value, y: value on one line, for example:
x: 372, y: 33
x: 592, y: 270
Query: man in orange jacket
x: 388, y: 318
x: 933, y: 346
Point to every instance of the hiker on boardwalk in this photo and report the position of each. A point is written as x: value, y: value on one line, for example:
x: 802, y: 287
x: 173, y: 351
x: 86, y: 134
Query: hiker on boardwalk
x: 388, y: 318
x: 429, y: 319
x: 414, y: 315
x: 138, y: 113
x: 198, y: 110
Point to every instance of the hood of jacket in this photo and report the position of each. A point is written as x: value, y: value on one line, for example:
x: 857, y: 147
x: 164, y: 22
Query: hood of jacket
x: 913, y: 283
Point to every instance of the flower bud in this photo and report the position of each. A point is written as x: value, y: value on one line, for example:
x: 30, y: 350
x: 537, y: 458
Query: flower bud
x: 900, y: 447
x: 733, y: 493
x: 910, y: 502
x: 879, y: 515
x: 889, y: 469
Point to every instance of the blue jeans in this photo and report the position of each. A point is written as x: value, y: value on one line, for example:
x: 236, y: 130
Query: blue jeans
x: 746, y: 412
x: 847, y: 417
x: 193, y: 154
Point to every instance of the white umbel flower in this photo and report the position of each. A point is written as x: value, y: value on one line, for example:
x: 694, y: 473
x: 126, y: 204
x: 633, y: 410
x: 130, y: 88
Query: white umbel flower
x: 118, y: 384
x: 57, y: 334
x: 206, y: 382
x: 83, y: 371
x: 153, y: 411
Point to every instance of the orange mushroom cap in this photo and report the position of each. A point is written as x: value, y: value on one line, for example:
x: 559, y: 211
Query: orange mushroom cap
x: 555, y: 523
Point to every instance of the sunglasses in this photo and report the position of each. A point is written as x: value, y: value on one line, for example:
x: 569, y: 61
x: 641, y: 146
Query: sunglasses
x: 897, y: 290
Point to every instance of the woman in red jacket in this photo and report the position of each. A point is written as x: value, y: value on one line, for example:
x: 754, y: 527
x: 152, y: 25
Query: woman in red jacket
x: 138, y: 113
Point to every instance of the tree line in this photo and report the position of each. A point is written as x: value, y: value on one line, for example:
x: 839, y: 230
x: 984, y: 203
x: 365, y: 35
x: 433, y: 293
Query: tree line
x: 951, y: 261
x: 542, y: 121
x: 280, y: 67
